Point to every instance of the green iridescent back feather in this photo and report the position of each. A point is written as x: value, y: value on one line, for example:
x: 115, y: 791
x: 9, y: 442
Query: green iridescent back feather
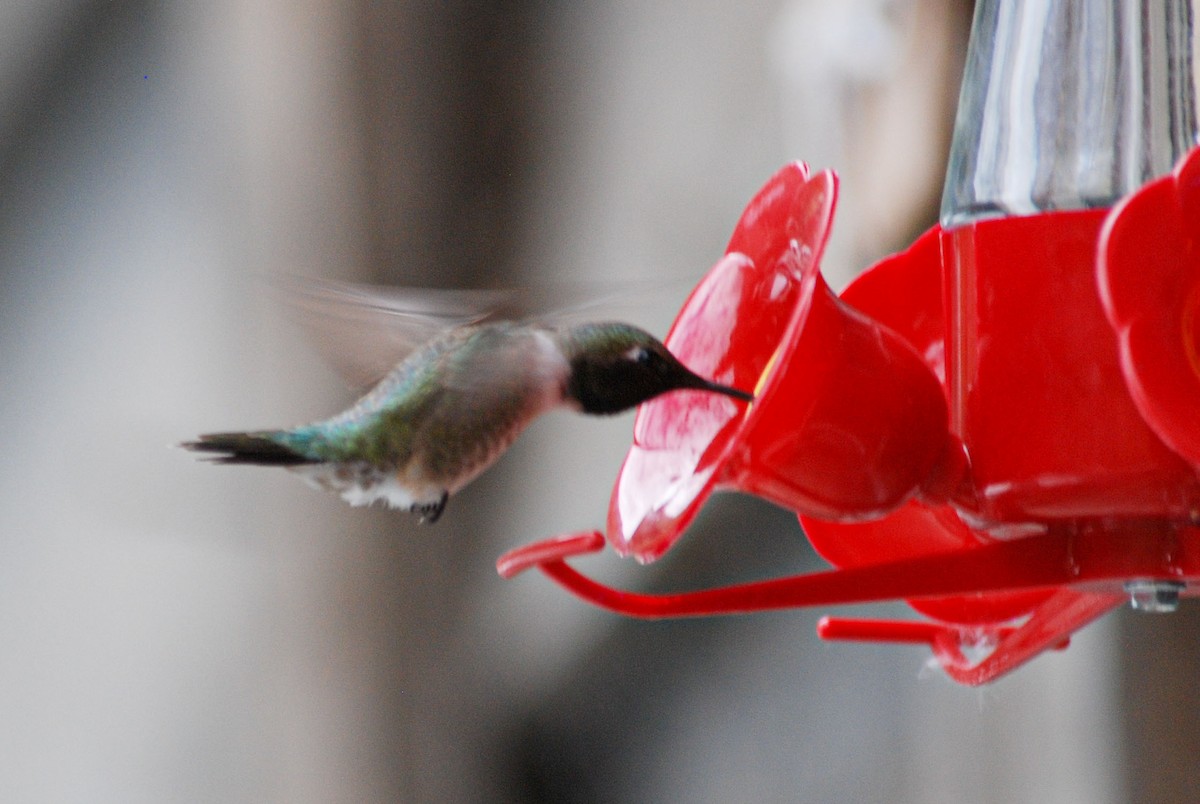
x: 380, y: 427
x: 458, y: 400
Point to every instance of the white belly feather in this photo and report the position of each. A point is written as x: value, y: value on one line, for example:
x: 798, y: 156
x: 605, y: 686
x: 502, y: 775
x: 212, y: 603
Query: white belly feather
x: 363, y: 484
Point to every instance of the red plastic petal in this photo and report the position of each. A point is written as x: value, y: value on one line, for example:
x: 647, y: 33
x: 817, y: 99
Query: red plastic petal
x: 682, y: 439
x: 1148, y: 272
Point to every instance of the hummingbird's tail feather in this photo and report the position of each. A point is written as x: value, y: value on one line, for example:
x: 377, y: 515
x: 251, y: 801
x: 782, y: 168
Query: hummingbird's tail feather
x: 258, y: 449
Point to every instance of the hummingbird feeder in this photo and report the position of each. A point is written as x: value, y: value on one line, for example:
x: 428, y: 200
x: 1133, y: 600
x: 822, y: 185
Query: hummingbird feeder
x: 999, y: 426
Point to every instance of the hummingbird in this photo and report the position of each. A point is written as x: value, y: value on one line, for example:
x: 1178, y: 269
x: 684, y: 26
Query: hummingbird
x: 452, y: 407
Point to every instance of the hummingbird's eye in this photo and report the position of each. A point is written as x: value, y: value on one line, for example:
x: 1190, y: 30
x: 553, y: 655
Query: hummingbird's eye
x: 642, y: 355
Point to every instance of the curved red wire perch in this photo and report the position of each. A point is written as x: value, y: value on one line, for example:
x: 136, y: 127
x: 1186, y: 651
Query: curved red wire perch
x: 1088, y: 567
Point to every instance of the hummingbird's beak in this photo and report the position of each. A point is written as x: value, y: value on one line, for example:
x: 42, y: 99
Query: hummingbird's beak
x: 729, y: 391
x: 702, y: 384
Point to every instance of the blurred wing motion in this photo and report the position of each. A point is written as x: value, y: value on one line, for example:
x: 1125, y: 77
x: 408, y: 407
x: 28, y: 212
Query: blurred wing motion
x: 365, y: 330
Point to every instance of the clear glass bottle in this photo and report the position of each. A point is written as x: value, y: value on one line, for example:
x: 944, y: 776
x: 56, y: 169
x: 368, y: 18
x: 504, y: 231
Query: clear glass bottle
x: 1069, y: 104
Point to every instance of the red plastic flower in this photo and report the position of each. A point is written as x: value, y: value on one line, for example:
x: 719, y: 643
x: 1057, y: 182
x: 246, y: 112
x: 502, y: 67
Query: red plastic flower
x: 730, y: 328
x: 1148, y: 271
x: 848, y: 421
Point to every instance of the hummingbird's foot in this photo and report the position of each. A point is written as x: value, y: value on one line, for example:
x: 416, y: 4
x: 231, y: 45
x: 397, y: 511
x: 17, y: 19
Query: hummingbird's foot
x: 431, y: 511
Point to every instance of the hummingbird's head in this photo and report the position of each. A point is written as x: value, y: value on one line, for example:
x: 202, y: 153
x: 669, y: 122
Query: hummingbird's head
x: 616, y: 366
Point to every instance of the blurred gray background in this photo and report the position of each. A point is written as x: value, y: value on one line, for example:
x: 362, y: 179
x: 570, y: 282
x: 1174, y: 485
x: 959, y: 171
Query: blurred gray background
x: 172, y: 631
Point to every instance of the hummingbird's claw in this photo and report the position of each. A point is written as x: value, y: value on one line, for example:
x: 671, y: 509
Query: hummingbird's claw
x: 431, y: 511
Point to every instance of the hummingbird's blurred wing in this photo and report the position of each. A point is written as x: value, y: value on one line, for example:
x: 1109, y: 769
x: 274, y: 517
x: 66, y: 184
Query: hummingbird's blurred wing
x: 365, y: 330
